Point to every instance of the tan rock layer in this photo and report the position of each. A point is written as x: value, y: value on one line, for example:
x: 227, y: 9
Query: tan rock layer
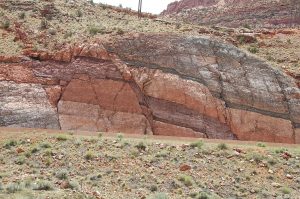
x: 172, y: 87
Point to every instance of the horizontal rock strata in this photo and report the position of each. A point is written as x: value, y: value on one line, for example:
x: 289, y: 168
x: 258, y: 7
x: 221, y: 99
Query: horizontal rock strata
x: 152, y: 84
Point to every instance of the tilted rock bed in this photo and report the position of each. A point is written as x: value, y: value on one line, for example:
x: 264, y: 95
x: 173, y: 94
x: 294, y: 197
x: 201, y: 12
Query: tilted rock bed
x: 158, y: 84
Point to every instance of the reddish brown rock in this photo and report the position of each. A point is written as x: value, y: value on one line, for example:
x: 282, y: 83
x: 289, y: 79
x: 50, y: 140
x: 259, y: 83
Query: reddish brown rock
x: 185, y: 167
x: 160, y: 128
x: 54, y: 94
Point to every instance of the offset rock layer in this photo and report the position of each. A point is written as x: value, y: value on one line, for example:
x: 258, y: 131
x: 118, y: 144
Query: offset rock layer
x: 153, y: 84
x: 235, y: 13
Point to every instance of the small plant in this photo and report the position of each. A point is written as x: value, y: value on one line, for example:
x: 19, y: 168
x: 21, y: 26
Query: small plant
x: 62, y: 174
x: 261, y: 144
x: 13, y: 187
x: 153, y: 188
x: 197, y: 144
x: 45, y: 145
x: 141, y: 146
x: 159, y: 195
x: 44, y: 24
x: 120, y: 31
x: 222, y: 146
x: 202, y: 195
x: 92, y: 2
x: 74, y: 185
x: 247, y: 26
x: 34, y: 150
x: 20, y: 160
x: 6, y: 24
x: 22, y: 15
x: 43, y: 185
x: 61, y: 137
x: 93, y: 30
x: 253, y: 49
x: 120, y: 137
x: 10, y: 143
x: 68, y: 34
x: 186, y: 180
x: 285, y: 190
x: 289, y: 41
x: 79, y: 13
x: 256, y: 157
x: 89, y: 155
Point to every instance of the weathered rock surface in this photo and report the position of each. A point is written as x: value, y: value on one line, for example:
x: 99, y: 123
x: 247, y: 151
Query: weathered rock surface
x: 157, y: 84
x: 236, y: 13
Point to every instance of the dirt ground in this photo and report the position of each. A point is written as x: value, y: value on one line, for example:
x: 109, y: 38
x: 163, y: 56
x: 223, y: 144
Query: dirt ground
x: 36, y: 163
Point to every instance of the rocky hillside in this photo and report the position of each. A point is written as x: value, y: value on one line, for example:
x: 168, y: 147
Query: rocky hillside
x: 82, y: 66
x: 237, y: 13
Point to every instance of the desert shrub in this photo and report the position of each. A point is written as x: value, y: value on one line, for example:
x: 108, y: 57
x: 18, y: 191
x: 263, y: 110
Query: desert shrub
x: 20, y: 160
x: 13, y: 187
x: 34, y: 150
x: 120, y: 137
x: 159, y: 195
x: 72, y: 185
x: 222, y: 146
x: 141, y: 146
x: 285, y: 190
x: 10, y: 143
x: 256, y: 157
x: 261, y: 144
x: 6, y: 24
x: 120, y: 31
x: 45, y: 145
x: 43, y: 185
x: 247, y: 26
x: 62, y: 174
x: 62, y: 137
x: 153, y: 188
x: 90, y: 155
x: 22, y: 15
x: 186, y: 180
x: 253, y: 49
x: 92, y: 2
x: 44, y: 24
x: 197, y: 144
x: 79, y: 13
x: 68, y: 34
x: 93, y: 30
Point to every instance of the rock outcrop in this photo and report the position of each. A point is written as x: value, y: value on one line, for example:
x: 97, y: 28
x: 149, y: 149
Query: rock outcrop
x: 152, y: 84
x: 236, y: 13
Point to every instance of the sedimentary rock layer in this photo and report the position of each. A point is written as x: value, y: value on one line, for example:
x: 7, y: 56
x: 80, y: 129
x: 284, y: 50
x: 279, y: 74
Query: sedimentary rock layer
x: 236, y: 13
x: 152, y: 84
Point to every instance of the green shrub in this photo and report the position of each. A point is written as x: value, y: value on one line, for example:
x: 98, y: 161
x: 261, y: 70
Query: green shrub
x: 10, y: 143
x: 6, y: 24
x: 20, y: 160
x: 186, y: 180
x: 13, y: 187
x: 44, y: 24
x: 222, y: 146
x: 62, y: 174
x: 68, y: 34
x: 79, y: 13
x: 253, y: 49
x: 62, y: 137
x: 197, y: 144
x: 158, y: 195
x: 90, y: 155
x: 261, y: 144
x: 22, y: 15
x: 45, y: 145
x: 43, y: 185
x: 141, y: 146
x: 285, y: 190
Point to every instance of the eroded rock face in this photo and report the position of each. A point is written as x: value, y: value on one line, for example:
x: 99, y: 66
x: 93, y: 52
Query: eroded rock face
x: 237, y: 13
x: 162, y: 85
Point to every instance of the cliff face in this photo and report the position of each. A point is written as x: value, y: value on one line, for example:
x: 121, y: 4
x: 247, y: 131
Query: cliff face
x: 237, y: 13
x: 152, y: 84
